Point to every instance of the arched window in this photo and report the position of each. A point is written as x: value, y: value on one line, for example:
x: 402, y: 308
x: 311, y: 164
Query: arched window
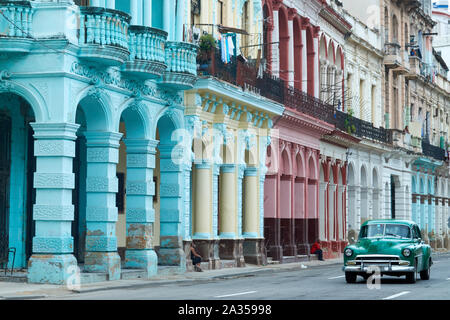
x: 394, y: 29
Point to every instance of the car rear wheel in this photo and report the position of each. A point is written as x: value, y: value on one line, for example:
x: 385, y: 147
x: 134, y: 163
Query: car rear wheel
x: 411, y: 277
x: 350, y: 277
x: 425, y: 274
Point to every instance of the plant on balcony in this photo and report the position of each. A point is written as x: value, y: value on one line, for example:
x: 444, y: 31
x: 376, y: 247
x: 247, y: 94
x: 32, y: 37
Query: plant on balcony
x: 206, y: 45
x: 349, y: 127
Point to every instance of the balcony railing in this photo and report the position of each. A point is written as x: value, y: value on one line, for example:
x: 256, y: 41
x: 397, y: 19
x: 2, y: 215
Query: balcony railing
x: 392, y: 56
x: 361, y: 128
x: 181, y: 65
x: 299, y: 100
x: 147, y: 52
x: 433, y: 151
x: 104, y: 35
x: 16, y: 26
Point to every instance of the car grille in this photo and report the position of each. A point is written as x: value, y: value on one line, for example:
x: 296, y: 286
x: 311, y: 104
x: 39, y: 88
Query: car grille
x: 379, y: 260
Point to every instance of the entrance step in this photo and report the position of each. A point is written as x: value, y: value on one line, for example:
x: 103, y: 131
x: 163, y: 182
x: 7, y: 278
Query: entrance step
x: 289, y: 259
x: 132, y: 274
x: 92, y: 277
x: 228, y: 264
x: 302, y: 258
x: 19, y: 277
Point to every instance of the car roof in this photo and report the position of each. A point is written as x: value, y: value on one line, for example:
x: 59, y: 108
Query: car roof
x: 392, y: 221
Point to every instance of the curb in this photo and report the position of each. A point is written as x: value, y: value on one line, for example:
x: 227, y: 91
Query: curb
x: 25, y: 297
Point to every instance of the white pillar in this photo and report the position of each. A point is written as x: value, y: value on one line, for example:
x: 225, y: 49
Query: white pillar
x: 276, y: 46
x: 111, y: 4
x: 291, y: 52
x: 304, y: 62
x: 134, y: 12
x: 180, y: 21
x: 316, y: 67
x: 147, y: 16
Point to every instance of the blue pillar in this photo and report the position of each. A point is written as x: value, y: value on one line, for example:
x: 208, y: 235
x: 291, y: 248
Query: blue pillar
x: 52, y: 260
x: 171, y: 209
x: 101, y: 212
x: 140, y: 214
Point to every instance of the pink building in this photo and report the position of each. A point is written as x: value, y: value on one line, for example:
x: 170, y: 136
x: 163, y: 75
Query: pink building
x: 305, y: 187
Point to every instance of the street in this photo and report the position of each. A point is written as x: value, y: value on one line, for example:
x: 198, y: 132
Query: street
x: 313, y: 283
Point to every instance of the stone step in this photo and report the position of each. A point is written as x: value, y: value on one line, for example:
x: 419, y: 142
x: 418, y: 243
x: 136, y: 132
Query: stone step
x: 93, y: 277
x: 228, y: 264
x: 131, y: 274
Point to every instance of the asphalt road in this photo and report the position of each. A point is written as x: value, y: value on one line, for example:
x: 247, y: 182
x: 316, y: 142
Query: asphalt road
x: 314, y: 283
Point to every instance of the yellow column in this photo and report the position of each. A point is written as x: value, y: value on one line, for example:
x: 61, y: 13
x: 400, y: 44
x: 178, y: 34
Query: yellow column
x: 202, y: 207
x: 250, y: 199
x: 227, y: 202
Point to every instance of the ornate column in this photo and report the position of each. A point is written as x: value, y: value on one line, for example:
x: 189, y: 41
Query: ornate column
x: 322, y: 209
x: 252, y: 253
x: 53, y: 260
x: 134, y: 12
x: 140, y: 215
x: 228, y: 247
x: 202, y: 213
x: 101, y: 211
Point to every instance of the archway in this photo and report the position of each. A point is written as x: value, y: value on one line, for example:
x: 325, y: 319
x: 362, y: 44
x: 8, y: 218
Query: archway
x: 322, y: 202
x: 351, y: 207
x: 286, y: 226
x: 17, y: 168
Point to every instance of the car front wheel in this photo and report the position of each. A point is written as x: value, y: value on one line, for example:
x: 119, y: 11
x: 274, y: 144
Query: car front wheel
x: 411, y: 277
x: 350, y: 277
x: 425, y: 274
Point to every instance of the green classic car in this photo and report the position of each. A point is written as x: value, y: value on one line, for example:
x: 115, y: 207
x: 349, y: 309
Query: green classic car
x: 390, y: 247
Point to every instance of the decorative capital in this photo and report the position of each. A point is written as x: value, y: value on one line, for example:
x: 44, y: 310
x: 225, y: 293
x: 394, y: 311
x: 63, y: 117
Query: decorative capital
x: 5, y: 85
x: 276, y: 4
x: 292, y: 12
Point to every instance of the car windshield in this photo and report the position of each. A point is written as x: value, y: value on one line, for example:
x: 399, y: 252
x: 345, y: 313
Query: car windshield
x: 381, y: 230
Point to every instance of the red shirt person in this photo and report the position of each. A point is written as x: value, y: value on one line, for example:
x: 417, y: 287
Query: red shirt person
x: 315, y: 249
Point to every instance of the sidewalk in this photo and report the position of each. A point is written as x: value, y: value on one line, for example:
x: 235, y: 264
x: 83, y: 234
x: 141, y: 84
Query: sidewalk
x: 22, y: 291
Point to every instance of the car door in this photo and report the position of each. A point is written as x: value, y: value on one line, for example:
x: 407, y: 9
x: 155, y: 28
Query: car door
x: 419, y: 248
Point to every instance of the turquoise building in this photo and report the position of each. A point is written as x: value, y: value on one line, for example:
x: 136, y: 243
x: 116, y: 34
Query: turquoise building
x: 77, y: 85
x: 100, y: 105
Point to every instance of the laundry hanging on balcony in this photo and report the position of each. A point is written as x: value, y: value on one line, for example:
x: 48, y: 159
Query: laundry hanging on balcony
x: 227, y: 46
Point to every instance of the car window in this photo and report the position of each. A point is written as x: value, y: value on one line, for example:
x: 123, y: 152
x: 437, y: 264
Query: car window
x: 417, y: 232
x: 397, y: 231
x: 372, y: 231
x: 385, y: 230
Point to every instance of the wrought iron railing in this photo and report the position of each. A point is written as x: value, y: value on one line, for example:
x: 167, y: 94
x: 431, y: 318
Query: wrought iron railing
x: 361, y: 128
x: 433, y: 151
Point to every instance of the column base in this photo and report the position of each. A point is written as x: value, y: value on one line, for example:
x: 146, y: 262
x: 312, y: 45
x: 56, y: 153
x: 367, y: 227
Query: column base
x: 171, y: 252
x: 208, y: 249
x: 51, y: 268
x: 254, y: 252
x: 142, y: 259
x: 232, y: 249
x: 187, y: 254
x: 290, y: 250
x: 303, y: 249
x: 276, y: 253
x: 104, y: 262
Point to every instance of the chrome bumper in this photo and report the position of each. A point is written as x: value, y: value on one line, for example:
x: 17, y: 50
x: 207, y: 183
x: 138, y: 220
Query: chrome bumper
x: 383, y: 268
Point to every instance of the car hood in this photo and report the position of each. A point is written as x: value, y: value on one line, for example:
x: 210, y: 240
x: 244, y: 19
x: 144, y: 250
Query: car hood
x: 381, y: 245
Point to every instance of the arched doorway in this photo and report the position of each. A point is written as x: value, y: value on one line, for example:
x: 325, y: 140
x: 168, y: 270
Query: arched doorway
x: 17, y: 167
x: 364, y: 196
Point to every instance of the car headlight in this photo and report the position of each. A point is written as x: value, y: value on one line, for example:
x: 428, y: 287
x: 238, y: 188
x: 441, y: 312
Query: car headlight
x: 406, y: 252
x: 348, y: 252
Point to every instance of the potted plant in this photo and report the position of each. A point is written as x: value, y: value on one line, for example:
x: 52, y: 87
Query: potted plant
x: 206, y: 45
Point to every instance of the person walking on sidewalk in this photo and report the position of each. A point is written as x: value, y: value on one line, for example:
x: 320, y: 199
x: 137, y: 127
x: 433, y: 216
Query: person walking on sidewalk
x: 196, y: 258
x: 315, y: 249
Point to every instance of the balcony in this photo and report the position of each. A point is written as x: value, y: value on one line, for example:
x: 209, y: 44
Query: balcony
x: 433, y: 151
x: 392, y: 57
x: 361, y: 128
x: 104, y: 36
x: 16, y: 27
x: 181, y: 72
x: 406, y: 141
x: 415, y: 68
x: 147, y: 59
